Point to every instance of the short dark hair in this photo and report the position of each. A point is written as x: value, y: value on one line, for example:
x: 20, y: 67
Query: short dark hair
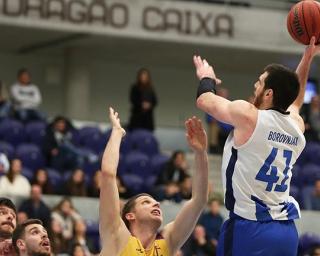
x: 284, y: 84
x: 20, y: 231
x: 21, y: 71
x: 8, y: 203
x: 129, y: 205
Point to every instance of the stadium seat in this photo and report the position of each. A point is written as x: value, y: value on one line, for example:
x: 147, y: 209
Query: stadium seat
x: 138, y: 163
x: 158, y: 163
x: 93, y: 139
x: 31, y: 156
x: 12, y: 131
x: 144, y: 141
x: 7, y: 149
x: 36, y: 132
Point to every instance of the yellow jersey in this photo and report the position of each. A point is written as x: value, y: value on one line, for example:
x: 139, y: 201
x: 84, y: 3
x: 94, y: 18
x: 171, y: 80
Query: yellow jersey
x: 135, y: 248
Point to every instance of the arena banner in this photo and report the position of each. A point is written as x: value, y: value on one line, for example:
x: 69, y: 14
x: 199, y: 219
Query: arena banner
x: 175, y: 21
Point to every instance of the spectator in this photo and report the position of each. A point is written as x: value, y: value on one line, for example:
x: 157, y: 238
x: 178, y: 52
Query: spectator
x: 212, y: 221
x: 41, y: 178
x: 77, y: 250
x: 76, y: 185
x: 35, y: 208
x: 65, y: 214
x: 4, y: 164
x: 79, y: 237
x: 26, y: 98
x: 58, y: 243
x: 5, y: 105
x: 13, y: 183
x: 94, y: 188
x: 143, y: 101
x: 61, y: 153
x: 315, y: 197
x: 198, y: 244
x: 170, y: 179
x: 21, y: 217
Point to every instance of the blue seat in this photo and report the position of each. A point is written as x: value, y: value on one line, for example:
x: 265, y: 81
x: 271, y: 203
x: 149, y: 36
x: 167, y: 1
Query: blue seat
x: 138, y: 163
x: 55, y: 178
x: 93, y: 139
x: 158, y: 163
x: 12, y: 131
x: 36, y: 132
x: 31, y: 156
x: 144, y: 141
x: 7, y: 149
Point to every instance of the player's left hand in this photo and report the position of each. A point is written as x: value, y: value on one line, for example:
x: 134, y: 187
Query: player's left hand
x: 313, y: 48
x: 196, y: 135
x: 203, y: 69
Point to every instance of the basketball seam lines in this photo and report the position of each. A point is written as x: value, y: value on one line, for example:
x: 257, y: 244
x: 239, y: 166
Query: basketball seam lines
x: 304, y: 22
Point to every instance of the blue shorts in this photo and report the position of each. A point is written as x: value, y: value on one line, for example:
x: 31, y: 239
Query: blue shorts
x: 241, y: 237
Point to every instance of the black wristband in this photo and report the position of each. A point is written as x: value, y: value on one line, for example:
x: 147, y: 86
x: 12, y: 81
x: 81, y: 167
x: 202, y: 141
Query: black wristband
x: 206, y: 85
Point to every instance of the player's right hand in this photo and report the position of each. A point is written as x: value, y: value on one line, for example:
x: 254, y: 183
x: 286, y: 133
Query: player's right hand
x: 203, y: 69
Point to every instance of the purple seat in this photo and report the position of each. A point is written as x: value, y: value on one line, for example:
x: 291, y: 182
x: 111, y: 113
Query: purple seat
x: 12, y: 131
x: 133, y: 183
x: 138, y: 163
x: 309, y: 173
x: 26, y: 172
x: 126, y: 144
x: 55, y: 177
x: 294, y: 192
x: 122, y: 167
x: 31, y: 156
x: 311, y: 152
x: 158, y: 163
x: 92, y: 138
x: 36, y: 132
x: 7, y: 149
x: 93, y: 233
x: 91, y: 167
x: 144, y: 141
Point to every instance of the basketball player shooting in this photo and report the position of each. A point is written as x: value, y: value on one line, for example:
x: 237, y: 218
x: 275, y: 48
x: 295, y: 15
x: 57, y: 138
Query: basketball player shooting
x: 136, y: 233
x: 258, y: 157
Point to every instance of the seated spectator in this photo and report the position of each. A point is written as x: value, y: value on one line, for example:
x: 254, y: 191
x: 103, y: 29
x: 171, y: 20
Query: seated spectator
x: 315, y: 197
x: 79, y: 237
x: 13, y: 183
x: 58, y: 243
x: 94, y: 188
x: 21, y: 217
x: 41, y: 178
x: 65, y: 214
x: 5, y: 105
x: 76, y: 185
x: 186, y: 188
x: 77, y: 250
x: 35, y: 208
x: 4, y: 164
x: 61, y: 153
x: 170, y: 179
x: 26, y: 98
x: 212, y: 221
x: 198, y: 244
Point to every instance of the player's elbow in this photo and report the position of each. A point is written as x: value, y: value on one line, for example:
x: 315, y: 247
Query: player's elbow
x: 201, y: 102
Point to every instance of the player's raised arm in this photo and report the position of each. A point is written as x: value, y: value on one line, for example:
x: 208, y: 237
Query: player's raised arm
x: 303, y: 72
x: 180, y: 229
x: 238, y: 113
x: 111, y: 226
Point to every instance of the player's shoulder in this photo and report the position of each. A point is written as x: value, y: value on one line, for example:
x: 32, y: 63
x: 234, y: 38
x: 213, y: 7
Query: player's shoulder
x: 298, y: 120
x: 244, y: 112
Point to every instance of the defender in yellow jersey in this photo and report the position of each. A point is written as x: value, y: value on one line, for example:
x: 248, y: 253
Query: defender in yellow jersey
x: 134, y: 232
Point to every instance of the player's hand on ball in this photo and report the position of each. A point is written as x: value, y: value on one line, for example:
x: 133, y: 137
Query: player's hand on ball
x: 203, y: 69
x: 196, y: 135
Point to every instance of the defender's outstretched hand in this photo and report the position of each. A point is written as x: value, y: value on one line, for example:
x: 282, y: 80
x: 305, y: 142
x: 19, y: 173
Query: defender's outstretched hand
x: 203, y: 69
x: 196, y: 135
x: 115, y: 121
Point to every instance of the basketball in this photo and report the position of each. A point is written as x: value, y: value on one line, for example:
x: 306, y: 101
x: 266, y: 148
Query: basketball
x: 303, y: 21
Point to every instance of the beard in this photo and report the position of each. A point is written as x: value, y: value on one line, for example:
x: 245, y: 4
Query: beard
x: 5, y: 234
x: 257, y: 102
x: 39, y: 254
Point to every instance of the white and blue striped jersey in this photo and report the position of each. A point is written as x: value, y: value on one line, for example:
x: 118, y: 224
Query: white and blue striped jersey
x: 256, y: 175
